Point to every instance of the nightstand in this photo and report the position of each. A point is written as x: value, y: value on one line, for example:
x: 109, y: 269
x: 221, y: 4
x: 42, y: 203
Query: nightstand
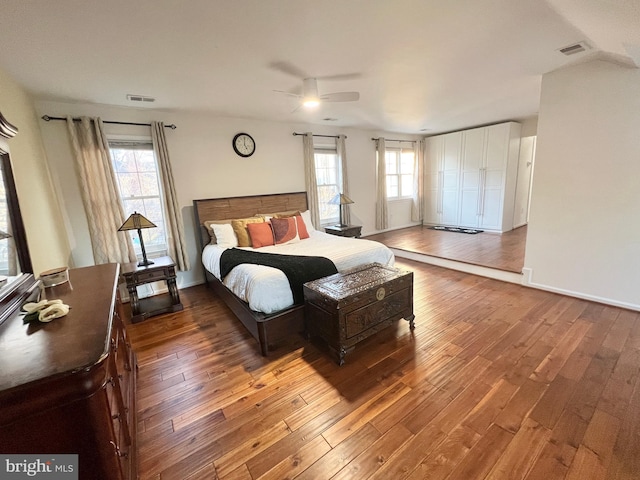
x: 162, y: 270
x: 344, y: 230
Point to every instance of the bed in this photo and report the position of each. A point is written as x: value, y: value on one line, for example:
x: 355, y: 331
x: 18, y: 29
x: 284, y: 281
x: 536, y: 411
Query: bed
x: 258, y: 295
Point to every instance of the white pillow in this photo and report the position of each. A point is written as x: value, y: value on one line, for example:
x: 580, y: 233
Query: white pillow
x: 306, y: 216
x: 225, y: 236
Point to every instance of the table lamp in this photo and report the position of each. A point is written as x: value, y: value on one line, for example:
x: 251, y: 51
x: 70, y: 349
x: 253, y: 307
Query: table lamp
x: 137, y: 222
x: 341, y: 199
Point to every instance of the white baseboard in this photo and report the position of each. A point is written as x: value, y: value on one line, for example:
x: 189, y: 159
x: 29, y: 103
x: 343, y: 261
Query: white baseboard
x: 192, y: 283
x: 494, y: 273
x: 528, y: 282
x: 391, y: 229
x: 524, y: 279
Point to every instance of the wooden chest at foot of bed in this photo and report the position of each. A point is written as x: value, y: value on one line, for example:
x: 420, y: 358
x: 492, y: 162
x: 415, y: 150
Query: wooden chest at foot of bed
x: 348, y: 307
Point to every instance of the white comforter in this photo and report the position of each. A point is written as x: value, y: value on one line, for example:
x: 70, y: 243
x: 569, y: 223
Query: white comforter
x: 267, y: 290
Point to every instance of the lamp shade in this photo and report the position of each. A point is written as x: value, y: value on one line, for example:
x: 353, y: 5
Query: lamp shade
x: 340, y: 199
x: 135, y: 222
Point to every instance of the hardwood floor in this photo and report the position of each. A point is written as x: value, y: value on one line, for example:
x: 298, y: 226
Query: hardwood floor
x: 501, y: 251
x: 497, y: 381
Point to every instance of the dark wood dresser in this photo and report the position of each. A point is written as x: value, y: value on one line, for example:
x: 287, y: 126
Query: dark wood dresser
x: 68, y: 386
x: 348, y: 307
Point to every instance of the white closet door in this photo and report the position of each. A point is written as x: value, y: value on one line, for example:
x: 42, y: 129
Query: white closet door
x: 452, y: 153
x: 433, y: 180
x: 495, y: 168
x: 471, y: 175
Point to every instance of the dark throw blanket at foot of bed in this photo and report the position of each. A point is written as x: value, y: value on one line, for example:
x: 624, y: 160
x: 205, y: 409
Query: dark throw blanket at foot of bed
x: 299, y: 269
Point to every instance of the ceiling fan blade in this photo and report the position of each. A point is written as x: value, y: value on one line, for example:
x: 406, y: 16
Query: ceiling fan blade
x: 342, y: 76
x: 288, y: 93
x: 288, y: 68
x: 340, y: 97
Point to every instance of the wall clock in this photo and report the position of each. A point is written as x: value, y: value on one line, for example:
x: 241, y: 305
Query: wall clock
x: 244, y: 145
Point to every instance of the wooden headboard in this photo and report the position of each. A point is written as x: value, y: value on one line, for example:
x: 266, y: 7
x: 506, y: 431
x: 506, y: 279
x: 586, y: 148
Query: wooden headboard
x: 241, y: 207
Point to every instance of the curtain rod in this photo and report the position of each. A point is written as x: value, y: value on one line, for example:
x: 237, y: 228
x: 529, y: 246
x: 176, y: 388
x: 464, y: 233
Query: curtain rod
x: 295, y: 134
x: 48, y: 118
x: 392, y: 140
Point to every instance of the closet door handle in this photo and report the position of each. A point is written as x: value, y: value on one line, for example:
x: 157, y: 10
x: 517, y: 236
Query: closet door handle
x: 483, y: 179
x: 479, y: 199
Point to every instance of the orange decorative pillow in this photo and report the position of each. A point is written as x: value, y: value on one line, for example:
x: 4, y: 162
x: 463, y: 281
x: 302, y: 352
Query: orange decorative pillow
x: 261, y: 234
x: 302, y: 228
x: 240, y: 228
x: 284, y: 230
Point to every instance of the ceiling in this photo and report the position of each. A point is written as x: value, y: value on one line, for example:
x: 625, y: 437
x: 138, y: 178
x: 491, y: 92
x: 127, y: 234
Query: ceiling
x: 419, y: 65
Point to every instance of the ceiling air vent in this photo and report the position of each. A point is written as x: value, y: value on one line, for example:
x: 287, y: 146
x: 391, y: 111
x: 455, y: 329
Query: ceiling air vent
x: 575, y: 48
x: 140, y: 98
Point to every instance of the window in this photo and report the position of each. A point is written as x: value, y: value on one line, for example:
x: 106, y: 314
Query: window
x: 138, y: 181
x: 5, y: 242
x: 399, y: 164
x: 329, y: 180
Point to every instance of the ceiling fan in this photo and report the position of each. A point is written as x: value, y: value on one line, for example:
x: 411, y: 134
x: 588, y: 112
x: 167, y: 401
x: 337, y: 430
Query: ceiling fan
x: 310, y: 96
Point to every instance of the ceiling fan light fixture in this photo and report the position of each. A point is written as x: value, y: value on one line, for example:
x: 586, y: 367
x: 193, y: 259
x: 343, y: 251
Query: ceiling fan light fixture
x: 310, y: 97
x: 311, y: 102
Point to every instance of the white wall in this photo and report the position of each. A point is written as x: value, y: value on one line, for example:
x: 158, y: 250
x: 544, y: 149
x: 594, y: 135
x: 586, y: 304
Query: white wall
x: 523, y: 185
x: 205, y: 166
x: 42, y: 219
x: 529, y: 126
x: 584, y: 229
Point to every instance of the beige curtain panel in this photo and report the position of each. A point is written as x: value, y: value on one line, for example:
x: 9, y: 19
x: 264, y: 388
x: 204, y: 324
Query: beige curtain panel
x: 310, y: 178
x: 418, y: 162
x: 382, y: 216
x: 174, y: 227
x: 99, y: 192
x: 341, y: 149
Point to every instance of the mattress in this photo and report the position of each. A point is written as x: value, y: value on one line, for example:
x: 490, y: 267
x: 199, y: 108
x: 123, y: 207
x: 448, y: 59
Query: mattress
x: 267, y: 290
